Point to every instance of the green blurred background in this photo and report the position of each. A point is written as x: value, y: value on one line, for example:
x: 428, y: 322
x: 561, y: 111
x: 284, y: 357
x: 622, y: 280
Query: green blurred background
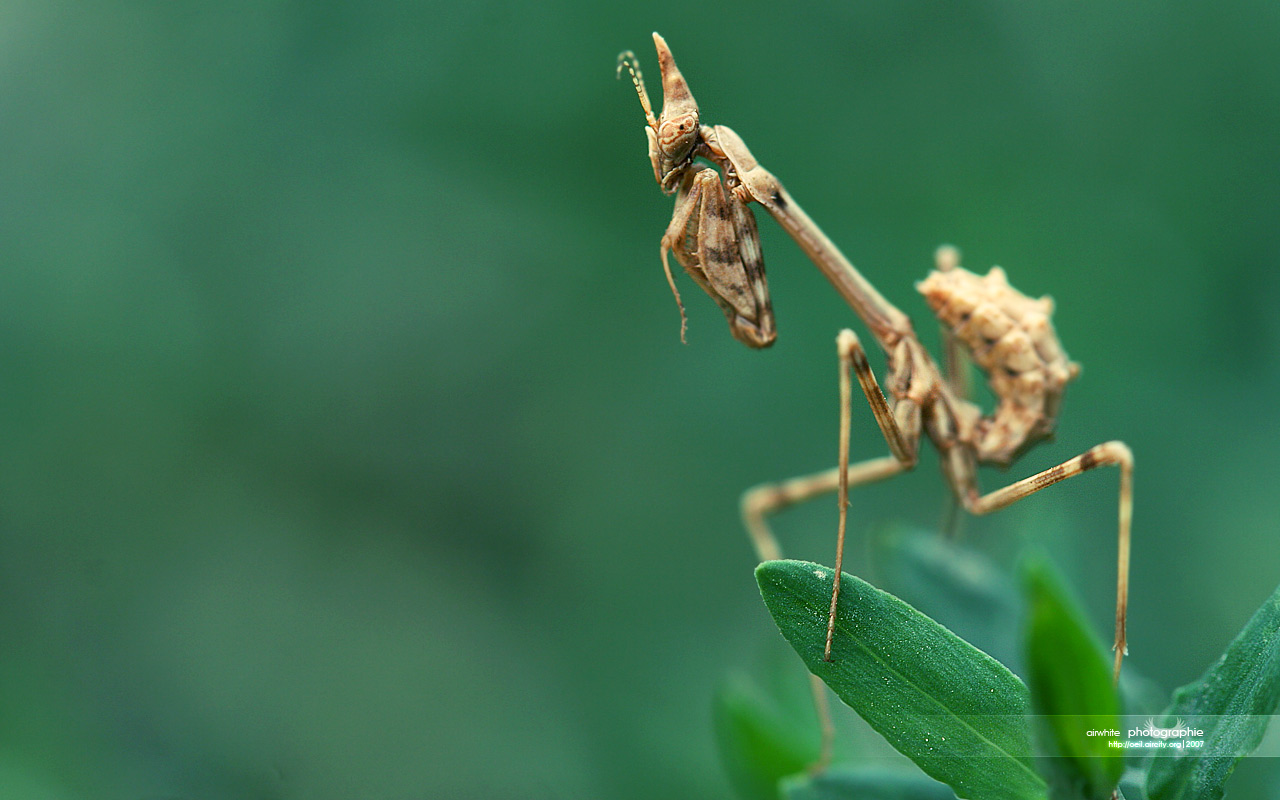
x: 348, y: 445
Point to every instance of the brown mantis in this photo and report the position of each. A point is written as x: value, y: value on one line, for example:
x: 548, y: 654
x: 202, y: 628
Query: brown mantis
x: 1008, y: 336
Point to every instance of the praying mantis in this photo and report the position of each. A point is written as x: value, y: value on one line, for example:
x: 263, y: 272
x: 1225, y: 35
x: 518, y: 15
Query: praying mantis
x: 1006, y: 334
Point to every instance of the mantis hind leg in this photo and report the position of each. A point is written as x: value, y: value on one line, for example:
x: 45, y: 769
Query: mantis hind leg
x: 1107, y: 454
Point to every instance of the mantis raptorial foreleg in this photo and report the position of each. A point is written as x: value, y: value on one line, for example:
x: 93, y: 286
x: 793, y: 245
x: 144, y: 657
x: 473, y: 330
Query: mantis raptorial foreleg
x: 714, y: 237
x: 755, y: 183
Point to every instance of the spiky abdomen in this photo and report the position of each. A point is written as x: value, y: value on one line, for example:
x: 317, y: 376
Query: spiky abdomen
x: 1010, y: 338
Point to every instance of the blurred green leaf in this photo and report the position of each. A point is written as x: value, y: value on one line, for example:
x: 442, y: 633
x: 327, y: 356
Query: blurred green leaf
x: 1133, y: 785
x: 1139, y: 694
x: 761, y: 737
x: 952, y: 709
x: 955, y: 585
x: 1231, y: 703
x: 864, y: 783
x: 1071, y: 690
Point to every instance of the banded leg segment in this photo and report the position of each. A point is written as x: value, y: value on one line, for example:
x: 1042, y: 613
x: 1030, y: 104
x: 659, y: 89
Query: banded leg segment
x: 1107, y: 454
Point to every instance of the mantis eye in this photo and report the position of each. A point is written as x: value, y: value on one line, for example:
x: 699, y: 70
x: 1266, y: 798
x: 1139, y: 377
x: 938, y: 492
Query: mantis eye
x: 676, y: 136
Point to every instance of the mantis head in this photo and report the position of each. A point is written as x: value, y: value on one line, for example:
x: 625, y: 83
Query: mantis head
x: 674, y: 135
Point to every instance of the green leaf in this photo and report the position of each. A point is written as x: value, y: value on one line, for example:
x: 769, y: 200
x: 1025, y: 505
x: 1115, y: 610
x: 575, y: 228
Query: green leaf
x: 952, y: 709
x: 1133, y: 785
x: 1231, y: 703
x: 1071, y: 690
x: 1139, y: 695
x: 955, y: 585
x: 864, y: 783
x: 761, y: 736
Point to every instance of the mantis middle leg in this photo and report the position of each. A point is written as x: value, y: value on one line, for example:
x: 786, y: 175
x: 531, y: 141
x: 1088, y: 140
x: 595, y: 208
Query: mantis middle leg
x: 765, y: 499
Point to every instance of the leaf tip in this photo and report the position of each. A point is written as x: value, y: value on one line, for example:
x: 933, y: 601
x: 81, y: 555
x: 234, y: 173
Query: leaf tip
x: 772, y: 570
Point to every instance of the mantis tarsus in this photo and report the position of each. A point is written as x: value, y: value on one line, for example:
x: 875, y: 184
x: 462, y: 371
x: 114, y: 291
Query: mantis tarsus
x: 1006, y: 334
